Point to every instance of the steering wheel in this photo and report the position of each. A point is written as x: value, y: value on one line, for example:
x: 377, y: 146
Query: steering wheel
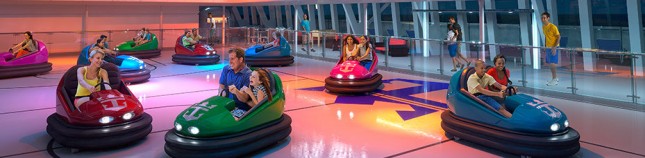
x: 510, y: 91
x: 223, y: 93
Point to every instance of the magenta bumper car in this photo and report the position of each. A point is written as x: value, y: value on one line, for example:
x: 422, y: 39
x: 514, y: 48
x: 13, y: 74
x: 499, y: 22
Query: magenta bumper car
x: 30, y: 64
x: 352, y: 77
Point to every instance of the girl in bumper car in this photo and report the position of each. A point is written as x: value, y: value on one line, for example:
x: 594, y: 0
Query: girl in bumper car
x: 25, y: 47
x: 350, y: 49
x: 364, y: 51
x: 90, y: 77
x: 259, y: 82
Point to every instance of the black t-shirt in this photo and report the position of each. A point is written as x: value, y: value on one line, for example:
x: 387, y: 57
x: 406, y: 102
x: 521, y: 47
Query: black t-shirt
x: 456, y: 26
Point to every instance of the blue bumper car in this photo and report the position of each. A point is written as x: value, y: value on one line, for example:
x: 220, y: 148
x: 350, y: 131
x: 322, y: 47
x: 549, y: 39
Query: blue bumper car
x: 536, y: 128
x: 257, y: 55
x: 132, y: 69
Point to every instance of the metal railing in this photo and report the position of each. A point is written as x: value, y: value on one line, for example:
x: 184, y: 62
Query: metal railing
x: 613, y: 75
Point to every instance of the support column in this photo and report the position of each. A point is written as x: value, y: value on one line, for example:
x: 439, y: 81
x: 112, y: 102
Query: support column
x: 587, y: 34
x: 636, y: 33
x: 297, y: 10
x: 463, y: 21
x: 396, y: 18
x: 491, y: 28
x: 334, y: 17
x: 376, y: 15
x: 435, y: 26
x: 525, y: 25
x: 482, y: 36
x: 351, y: 20
x: 425, y: 25
x: 278, y: 16
x: 288, y: 11
x: 537, y: 35
x: 364, y: 17
x: 321, y: 16
x: 311, y: 14
x: 254, y: 17
x: 417, y: 21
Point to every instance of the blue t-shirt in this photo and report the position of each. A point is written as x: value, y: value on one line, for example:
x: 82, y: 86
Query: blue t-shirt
x: 148, y: 37
x: 239, y: 79
x: 305, y: 24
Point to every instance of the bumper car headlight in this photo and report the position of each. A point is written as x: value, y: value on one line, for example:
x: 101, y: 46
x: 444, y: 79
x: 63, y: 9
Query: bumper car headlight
x: 208, y: 53
x: 193, y: 130
x: 566, y: 123
x: 351, y: 77
x: 555, y: 127
x: 178, y: 127
x: 339, y: 76
x: 116, y: 49
x: 128, y: 116
x: 106, y: 119
x: 141, y: 67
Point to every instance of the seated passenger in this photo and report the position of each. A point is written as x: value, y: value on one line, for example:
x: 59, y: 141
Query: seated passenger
x: 188, y: 41
x: 260, y: 89
x: 140, y: 35
x: 349, y: 50
x: 105, y: 41
x: 90, y: 77
x: 364, y: 49
x: 499, y: 72
x: 25, y: 47
x: 145, y: 37
x: 477, y: 83
x: 275, y: 43
x: 109, y: 55
x: 196, y: 35
x: 235, y: 75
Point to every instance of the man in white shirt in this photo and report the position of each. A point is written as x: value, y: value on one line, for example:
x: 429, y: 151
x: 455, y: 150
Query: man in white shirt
x: 477, y: 84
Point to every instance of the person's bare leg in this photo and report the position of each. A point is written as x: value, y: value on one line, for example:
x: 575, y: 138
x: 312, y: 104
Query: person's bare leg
x: 553, y: 66
x: 78, y: 102
x: 505, y: 112
x: 454, y: 63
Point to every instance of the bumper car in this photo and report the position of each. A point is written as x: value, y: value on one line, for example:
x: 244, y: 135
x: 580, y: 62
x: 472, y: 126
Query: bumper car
x: 132, y: 70
x: 143, y: 51
x: 257, y: 55
x: 208, y: 129
x: 351, y: 77
x: 30, y: 64
x: 201, y: 55
x: 111, y: 118
x: 535, y: 129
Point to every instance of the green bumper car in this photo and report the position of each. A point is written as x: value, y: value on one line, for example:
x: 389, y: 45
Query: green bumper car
x: 144, y: 51
x: 208, y: 129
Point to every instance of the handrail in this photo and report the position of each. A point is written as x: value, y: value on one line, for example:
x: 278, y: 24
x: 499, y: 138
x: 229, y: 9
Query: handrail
x: 578, y: 50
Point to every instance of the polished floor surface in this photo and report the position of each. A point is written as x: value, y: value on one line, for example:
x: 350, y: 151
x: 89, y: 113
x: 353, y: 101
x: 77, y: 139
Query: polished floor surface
x: 400, y: 120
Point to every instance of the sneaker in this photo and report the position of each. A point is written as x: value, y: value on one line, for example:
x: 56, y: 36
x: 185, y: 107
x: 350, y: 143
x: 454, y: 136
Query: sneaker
x: 553, y: 82
x: 303, y: 49
x: 468, y: 63
x: 453, y: 70
x: 312, y: 50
